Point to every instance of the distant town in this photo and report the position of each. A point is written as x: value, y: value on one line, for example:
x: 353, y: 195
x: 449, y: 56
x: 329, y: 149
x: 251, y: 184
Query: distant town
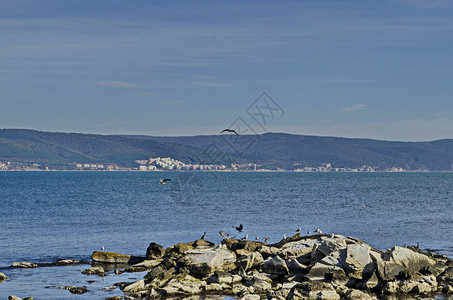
x: 170, y: 164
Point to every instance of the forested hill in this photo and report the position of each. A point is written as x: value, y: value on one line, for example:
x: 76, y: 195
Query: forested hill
x: 269, y: 150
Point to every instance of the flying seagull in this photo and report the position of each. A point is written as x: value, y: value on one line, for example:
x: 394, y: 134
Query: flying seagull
x: 204, y: 236
x: 224, y: 234
x: 239, y: 228
x: 164, y: 181
x: 229, y: 130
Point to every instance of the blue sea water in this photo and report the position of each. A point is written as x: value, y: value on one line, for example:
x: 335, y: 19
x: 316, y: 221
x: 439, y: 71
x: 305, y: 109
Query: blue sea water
x: 50, y: 215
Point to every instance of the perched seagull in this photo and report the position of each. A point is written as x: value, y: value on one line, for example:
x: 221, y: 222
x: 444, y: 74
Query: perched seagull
x: 363, y: 205
x: 102, y: 248
x: 164, y: 181
x: 229, y: 130
x: 224, y: 234
x: 284, y: 236
x: 299, y: 230
x: 257, y: 238
x: 266, y: 239
x: 245, y: 237
x: 309, y: 232
x: 239, y: 228
x: 318, y: 231
x: 204, y: 236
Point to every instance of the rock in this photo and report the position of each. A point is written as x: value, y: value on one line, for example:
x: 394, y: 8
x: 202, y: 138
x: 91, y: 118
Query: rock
x: 411, y: 261
x: 352, y: 294
x: 370, y: 283
x: 250, y: 297
x: 148, y: 264
x: 154, y: 251
x: 248, y: 261
x: 322, y: 272
x: 75, y: 289
x: 177, y: 250
x: 326, y: 247
x: 214, y: 287
x: 2, y: 276
x: 297, y: 249
x: 24, y: 265
x: 358, y: 261
x: 135, y: 287
x: 115, y: 258
x: 261, y: 286
x: 242, y: 247
x: 274, y: 265
x: 314, y: 290
x: 296, y: 268
x: 222, y: 277
x: 94, y: 271
x: 239, y: 289
x: 205, y: 261
x: 12, y: 297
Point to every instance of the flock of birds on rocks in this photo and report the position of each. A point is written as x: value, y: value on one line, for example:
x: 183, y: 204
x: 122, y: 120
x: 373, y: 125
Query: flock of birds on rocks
x: 266, y: 239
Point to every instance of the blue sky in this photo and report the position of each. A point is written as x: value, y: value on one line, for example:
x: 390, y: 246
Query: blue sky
x: 376, y: 69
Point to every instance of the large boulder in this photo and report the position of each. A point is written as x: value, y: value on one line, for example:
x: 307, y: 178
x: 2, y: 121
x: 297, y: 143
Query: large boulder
x: 274, y: 265
x: 202, y: 262
x: 327, y: 246
x: 179, y: 249
x: 358, y: 263
x: 297, y: 249
x: 154, y: 251
x: 246, y: 262
x: 115, y: 258
x: 412, y: 261
x: 331, y: 273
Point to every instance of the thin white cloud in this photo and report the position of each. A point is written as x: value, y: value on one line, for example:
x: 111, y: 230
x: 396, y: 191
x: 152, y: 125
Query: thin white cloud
x: 120, y: 84
x: 355, y: 107
x: 211, y: 84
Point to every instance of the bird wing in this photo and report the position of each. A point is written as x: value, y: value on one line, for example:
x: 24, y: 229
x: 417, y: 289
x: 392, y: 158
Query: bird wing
x: 166, y: 179
x: 234, y: 131
x: 241, y: 227
x: 225, y: 130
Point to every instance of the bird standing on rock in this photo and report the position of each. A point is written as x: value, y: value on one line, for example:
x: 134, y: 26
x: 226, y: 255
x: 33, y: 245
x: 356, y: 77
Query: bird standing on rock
x: 299, y: 230
x: 266, y: 239
x: 245, y: 237
x: 204, y: 236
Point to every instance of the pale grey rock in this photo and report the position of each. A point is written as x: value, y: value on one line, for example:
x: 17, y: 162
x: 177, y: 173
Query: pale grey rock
x: 149, y: 263
x: 326, y: 247
x: 246, y: 262
x: 357, y: 259
x: 412, y: 261
x: 297, y: 249
x: 314, y: 290
x: 13, y: 297
x: 274, y: 265
x: 321, y: 272
x: 261, y: 286
x: 295, y: 268
x: 135, y: 287
x: 206, y: 261
x: 213, y: 287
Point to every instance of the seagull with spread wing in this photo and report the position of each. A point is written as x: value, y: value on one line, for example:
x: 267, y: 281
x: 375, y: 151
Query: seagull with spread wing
x: 229, y: 130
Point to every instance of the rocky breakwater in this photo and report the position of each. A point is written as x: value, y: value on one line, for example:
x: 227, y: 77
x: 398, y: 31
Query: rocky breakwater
x: 309, y: 267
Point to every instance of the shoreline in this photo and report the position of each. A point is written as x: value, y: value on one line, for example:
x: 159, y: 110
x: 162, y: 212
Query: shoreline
x: 298, y: 267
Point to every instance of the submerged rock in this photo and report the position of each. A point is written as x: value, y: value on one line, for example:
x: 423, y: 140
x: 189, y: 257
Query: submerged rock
x: 24, y: 265
x: 2, y: 277
x: 75, y: 289
x: 94, y: 271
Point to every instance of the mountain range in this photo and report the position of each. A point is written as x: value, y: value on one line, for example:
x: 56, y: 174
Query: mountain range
x: 269, y: 150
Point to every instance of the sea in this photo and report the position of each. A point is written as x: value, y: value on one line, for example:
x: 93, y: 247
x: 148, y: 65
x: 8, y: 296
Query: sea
x: 45, y: 216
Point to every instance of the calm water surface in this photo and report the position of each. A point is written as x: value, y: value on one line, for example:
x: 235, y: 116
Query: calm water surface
x: 50, y: 215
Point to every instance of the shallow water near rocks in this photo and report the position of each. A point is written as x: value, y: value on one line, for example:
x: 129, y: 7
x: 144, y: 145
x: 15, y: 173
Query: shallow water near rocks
x: 51, y: 215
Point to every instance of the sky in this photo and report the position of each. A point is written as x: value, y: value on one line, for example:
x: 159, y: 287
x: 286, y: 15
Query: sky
x: 371, y: 69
